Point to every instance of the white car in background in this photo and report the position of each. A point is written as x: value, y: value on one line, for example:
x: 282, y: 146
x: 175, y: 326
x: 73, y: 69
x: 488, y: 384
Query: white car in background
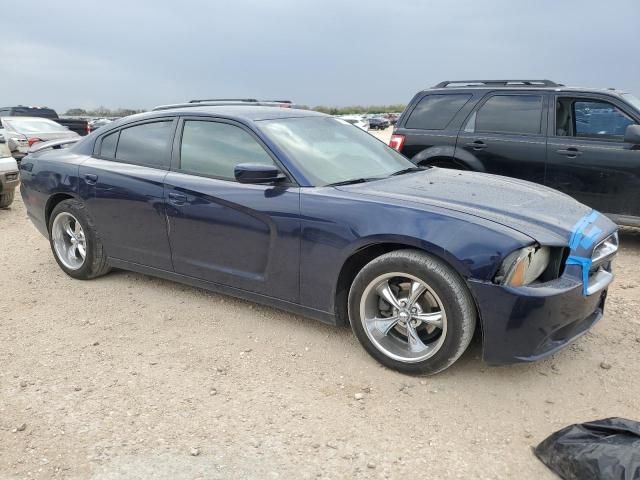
x: 356, y: 120
x: 22, y: 132
x: 9, y: 177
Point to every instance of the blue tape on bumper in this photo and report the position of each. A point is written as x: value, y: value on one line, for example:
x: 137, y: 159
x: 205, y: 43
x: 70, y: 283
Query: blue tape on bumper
x: 583, y: 235
x: 580, y: 236
x: 585, y: 264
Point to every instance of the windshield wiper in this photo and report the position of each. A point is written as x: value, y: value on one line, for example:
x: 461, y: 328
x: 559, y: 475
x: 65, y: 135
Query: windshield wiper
x: 351, y: 182
x: 407, y: 170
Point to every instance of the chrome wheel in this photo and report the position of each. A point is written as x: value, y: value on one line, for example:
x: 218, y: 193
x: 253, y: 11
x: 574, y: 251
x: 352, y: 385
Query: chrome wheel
x: 403, y: 317
x: 69, y: 240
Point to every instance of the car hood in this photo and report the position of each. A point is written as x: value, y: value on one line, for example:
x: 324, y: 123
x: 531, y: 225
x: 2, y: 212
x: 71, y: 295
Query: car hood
x: 541, y: 213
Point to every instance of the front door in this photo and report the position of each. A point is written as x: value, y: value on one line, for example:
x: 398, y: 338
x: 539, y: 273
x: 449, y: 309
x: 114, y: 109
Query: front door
x: 506, y: 136
x: 123, y: 188
x: 239, y: 235
x: 588, y: 159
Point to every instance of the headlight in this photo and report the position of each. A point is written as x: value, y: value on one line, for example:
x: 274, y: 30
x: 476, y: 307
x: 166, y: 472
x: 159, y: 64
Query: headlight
x: 524, y: 266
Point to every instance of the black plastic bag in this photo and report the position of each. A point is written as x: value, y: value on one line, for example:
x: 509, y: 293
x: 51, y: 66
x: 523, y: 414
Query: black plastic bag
x: 605, y: 449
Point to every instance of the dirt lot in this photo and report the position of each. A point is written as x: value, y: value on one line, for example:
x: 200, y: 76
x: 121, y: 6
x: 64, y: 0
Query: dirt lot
x: 129, y: 377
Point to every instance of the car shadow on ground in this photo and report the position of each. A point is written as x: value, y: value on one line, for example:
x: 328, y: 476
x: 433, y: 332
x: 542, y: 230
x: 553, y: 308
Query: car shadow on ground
x: 470, y: 363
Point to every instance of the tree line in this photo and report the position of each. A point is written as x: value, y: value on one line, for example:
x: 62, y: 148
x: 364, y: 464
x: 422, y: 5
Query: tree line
x: 350, y: 110
x: 102, y: 112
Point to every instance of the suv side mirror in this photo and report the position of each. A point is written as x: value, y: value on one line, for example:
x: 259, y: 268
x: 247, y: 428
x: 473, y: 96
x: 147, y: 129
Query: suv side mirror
x: 632, y: 134
x: 257, y: 173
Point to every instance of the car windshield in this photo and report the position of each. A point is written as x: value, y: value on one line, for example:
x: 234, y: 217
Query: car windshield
x: 633, y: 100
x: 33, y: 125
x: 329, y: 150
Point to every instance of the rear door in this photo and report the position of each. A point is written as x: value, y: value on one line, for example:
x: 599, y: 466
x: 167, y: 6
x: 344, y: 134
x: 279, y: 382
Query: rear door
x: 123, y: 188
x: 506, y: 135
x: 587, y: 156
x: 239, y: 235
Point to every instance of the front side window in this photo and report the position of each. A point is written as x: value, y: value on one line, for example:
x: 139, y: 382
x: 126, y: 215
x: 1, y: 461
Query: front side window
x: 329, y: 150
x: 435, y: 112
x: 597, y: 119
x: 214, y: 149
x: 517, y: 114
x: 146, y: 144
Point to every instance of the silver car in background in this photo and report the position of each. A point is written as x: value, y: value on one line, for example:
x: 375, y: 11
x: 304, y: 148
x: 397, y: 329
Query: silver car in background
x: 22, y: 132
x: 8, y: 174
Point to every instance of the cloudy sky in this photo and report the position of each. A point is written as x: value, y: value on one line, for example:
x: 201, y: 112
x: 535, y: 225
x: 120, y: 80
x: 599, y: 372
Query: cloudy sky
x: 140, y: 53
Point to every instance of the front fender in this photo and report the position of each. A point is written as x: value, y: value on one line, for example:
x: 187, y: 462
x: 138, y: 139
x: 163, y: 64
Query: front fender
x: 335, y: 225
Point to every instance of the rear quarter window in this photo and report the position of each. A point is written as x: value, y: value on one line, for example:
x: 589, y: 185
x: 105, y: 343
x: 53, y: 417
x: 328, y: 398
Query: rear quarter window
x: 435, y: 112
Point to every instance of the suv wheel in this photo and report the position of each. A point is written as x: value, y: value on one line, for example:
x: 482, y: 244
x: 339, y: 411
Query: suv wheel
x: 411, y: 312
x: 74, y: 242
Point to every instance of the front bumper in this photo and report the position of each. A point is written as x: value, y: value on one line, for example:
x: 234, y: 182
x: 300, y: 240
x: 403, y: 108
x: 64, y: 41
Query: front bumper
x: 525, y: 324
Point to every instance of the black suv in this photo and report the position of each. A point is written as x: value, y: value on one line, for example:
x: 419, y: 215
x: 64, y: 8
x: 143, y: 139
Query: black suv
x: 584, y: 142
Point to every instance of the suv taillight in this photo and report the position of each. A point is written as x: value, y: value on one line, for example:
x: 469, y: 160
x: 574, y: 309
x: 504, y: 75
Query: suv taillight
x: 396, y: 142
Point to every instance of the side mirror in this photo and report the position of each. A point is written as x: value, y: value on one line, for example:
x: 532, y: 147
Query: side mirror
x: 257, y: 173
x: 632, y: 134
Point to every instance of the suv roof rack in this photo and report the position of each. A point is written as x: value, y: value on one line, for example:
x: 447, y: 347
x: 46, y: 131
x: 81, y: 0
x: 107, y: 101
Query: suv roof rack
x: 502, y: 83
x: 227, y: 101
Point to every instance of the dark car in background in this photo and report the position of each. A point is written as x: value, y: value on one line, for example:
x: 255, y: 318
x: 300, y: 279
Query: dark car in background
x: 305, y: 212
x: 77, y: 125
x: 378, y: 123
x: 583, y: 142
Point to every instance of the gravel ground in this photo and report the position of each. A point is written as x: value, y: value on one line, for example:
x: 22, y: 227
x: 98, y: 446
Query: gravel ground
x: 129, y: 376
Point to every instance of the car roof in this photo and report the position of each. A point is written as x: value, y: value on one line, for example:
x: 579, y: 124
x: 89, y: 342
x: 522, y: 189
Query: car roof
x: 237, y: 112
x: 24, y: 117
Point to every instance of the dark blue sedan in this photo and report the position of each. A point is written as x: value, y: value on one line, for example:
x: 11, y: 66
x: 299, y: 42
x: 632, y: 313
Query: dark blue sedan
x: 307, y: 213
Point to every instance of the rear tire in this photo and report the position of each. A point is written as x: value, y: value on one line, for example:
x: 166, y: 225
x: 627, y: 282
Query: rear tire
x: 6, y: 198
x: 74, y: 242
x: 412, y: 312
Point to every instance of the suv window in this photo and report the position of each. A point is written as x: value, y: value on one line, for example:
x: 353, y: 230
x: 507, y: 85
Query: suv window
x: 146, y: 144
x: 214, y: 149
x: 435, y: 112
x: 520, y: 114
x: 597, y: 119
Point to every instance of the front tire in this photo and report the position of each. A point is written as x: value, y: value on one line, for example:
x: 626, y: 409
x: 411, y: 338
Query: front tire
x: 412, y: 312
x: 74, y: 243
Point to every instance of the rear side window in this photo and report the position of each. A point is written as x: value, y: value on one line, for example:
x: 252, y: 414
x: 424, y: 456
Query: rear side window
x: 146, y: 144
x: 108, y: 146
x: 214, y: 149
x: 435, y: 112
x: 510, y: 114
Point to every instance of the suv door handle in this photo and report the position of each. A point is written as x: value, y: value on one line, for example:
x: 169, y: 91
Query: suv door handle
x: 177, y: 198
x: 477, y: 145
x: 571, y: 152
x: 90, y: 178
